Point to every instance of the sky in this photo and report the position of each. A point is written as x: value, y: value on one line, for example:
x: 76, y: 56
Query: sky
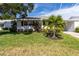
x: 66, y: 10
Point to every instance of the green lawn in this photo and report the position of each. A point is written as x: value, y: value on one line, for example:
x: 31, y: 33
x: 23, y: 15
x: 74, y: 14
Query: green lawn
x: 37, y: 44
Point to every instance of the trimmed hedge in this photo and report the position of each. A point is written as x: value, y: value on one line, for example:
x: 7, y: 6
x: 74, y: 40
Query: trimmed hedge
x: 77, y: 30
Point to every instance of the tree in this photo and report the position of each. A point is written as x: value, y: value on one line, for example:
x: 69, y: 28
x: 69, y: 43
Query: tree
x: 55, y: 27
x: 9, y: 10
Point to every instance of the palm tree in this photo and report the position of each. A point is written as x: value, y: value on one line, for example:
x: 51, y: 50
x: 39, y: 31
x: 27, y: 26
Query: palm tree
x: 56, y: 26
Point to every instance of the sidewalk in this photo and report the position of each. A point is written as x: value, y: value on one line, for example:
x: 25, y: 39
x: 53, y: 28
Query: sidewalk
x: 73, y: 34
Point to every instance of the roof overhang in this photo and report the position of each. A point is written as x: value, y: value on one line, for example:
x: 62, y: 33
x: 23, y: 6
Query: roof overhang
x: 72, y: 20
x: 27, y: 19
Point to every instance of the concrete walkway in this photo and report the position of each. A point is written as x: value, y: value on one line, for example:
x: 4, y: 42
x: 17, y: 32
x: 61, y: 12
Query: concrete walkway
x: 73, y: 34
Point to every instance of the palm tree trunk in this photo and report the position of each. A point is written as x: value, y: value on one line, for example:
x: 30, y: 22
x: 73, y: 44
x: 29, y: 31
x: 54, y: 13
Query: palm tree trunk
x: 54, y: 34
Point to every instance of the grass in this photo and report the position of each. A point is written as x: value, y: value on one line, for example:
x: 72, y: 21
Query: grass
x: 34, y: 44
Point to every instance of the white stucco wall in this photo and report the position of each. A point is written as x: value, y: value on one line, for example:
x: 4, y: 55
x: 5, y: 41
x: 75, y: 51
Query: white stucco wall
x: 7, y: 24
x: 69, y: 26
x: 18, y: 23
x: 76, y: 24
x: 0, y: 28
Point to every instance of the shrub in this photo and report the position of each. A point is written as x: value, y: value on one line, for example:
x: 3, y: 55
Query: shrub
x: 14, y: 25
x: 77, y: 30
x: 5, y: 28
x: 55, y: 27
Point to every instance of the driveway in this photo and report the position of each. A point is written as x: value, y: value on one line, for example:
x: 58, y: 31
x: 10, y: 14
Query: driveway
x: 73, y: 34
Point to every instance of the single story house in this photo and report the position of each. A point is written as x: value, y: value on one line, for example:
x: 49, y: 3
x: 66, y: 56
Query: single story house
x: 32, y: 22
x: 23, y: 24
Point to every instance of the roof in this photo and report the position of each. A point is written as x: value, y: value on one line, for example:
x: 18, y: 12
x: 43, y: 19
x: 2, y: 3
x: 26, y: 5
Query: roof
x: 29, y: 18
x: 32, y: 17
x: 3, y: 21
x: 73, y: 18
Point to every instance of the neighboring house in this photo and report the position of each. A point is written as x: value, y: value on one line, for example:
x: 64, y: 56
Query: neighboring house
x: 71, y: 23
x: 31, y: 22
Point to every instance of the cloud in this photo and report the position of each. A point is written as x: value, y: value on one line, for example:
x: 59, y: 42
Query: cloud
x: 43, y: 12
x: 35, y: 7
x: 66, y: 12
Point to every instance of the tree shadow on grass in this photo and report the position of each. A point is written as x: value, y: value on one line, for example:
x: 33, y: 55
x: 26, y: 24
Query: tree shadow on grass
x: 7, y: 32
x: 14, y: 33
